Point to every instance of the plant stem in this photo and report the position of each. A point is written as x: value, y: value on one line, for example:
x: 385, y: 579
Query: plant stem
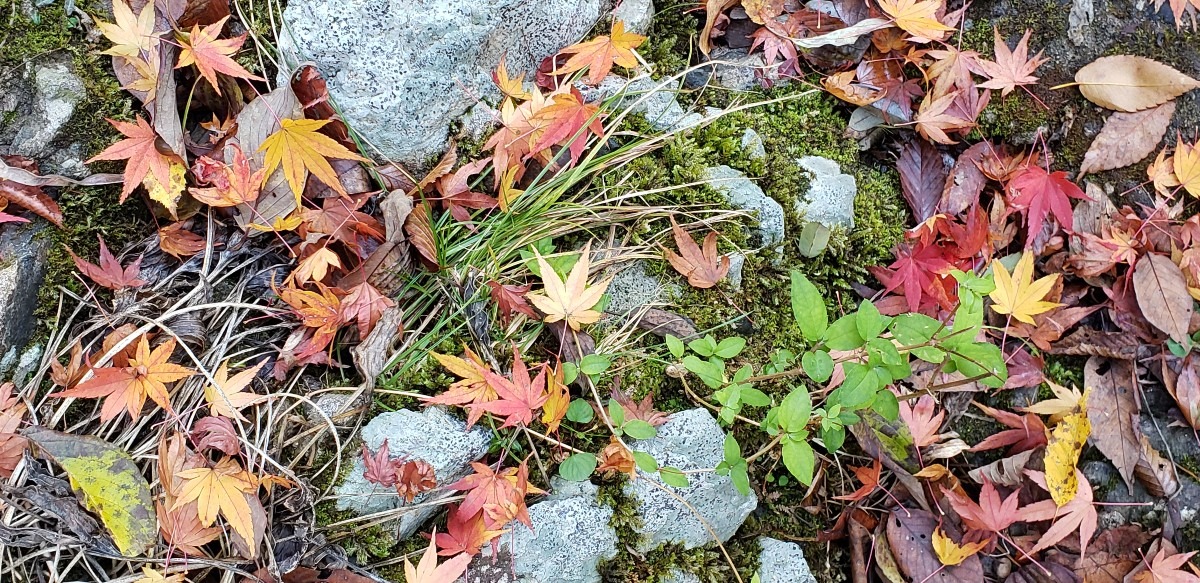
x: 765, y: 448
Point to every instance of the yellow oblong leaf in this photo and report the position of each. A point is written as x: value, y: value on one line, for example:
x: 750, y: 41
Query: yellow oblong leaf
x: 950, y: 553
x: 1062, y: 453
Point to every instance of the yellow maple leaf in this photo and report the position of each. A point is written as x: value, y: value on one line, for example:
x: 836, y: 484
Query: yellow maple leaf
x: 571, y: 301
x: 599, y: 54
x: 916, y: 17
x: 281, y: 224
x: 950, y: 553
x: 152, y: 576
x: 1187, y: 167
x: 1018, y: 294
x: 301, y: 149
x: 221, y: 489
x: 1161, y: 172
x: 508, y: 188
x: 514, y: 88
x: 228, y: 396
x: 167, y: 194
x: 555, y: 407
x: 1065, y: 401
x: 1062, y: 453
x: 131, y: 35
x: 316, y: 266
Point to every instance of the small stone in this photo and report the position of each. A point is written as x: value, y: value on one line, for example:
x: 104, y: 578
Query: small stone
x: 783, y: 562
x: 739, y: 70
x: 23, y: 254
x: 636, y: 15
x: 40, y: 102
x: 830, y: 197
x: 328, y: 406
x: 737, y: 261
x: 432, y: 435
x: 633, y: 288
x: 742, y: 193
x: 677, y: 576
x: 479, y: 120
x: 689, y: 440
x: 753, y: 144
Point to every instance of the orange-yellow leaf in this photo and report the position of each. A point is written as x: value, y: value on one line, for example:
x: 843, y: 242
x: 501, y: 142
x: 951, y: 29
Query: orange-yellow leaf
x: 220, y: 489
x: 1187, y: 167
x: 1018, y: 294
x: 570, y: 301
x: 301, y: 149
x: 140, y: 152
x: 211, y: 55
x: 126, y: 388
x: 916, y: 17
x: 599, y: 54
x: 131, y: 35
x: 228, y: 396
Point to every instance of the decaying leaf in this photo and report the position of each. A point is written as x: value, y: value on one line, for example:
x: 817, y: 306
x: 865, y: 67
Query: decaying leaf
x: 1130, y: 83
x: 1062, y: 453
x: 1127, y: 138
x: 1162, y: 295
x: 1113, y: 413
x: 702, y: 268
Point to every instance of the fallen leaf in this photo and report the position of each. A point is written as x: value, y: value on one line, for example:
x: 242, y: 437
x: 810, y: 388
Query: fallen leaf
x: 991, y: 514
x: 429, y: 571
x: 702, y: 268
x: 1127, y: 138
x: 1115, y: 553
x: 12, y: 444
x: 1017, y: 293
x: 127, y: 387
x: 217, y: 433
x: 615, y: 458
x: 1026, y: 432
x: 1065, y: 401
x: 364, y: 305
x: 500, y: 496
x: 1039, y: 194
x: 211, y: 55
x: 1129, y: 83
x: 922, y: 177
x: 228, y: 396
x: 1013, y: 68
x: 567, y: 121
x: 917, y: 17
x: 464, y: 533
x: 1062, y: 453
x: 220, y: 489
x: 110, y: 483
x: 1187, y: 166
x: 1162, y: 295
x: 517, y: 398
x: 1008, y: 472
x: 910, y: 536
x: 1166, y: 566
x: 152, y: 576
x: 1077, y: 515
x: 300, y: 149
x: 1113, y: 413
x: 950, y: 553
x: 601, y: 53
x: 472, y: 388
x: 232, y: 184
x: 510, y: 300
x: 131, y: 35
x: 571, y: 301
x: 179, y: 242
x: 923, y: 424
x: 869, y: 476
x: 558, y: 399
x: 142, y: 156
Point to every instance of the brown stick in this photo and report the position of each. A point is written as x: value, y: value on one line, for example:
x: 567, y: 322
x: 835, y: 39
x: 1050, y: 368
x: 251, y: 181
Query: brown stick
x: 858, y: 558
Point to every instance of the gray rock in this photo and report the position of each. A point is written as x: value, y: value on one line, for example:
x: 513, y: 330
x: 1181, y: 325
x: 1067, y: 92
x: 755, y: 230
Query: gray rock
x: 830, y: 197
x: 479, y: 120
x: 432, y: 435
x: 23, y: 253
x: 742, y: 193
x: 329, y: 405
x: 633, y: 288
x: 570, y: 537
x: 401, y: 70
x: 737, y: 261
x: 635, y: 14
x: 689, y: 440
x: 753, y: 144
x: 783, y: 562
x: 738, y: 70
x: 658, y: 106
x: 39, y: 102
x: 677, y: 576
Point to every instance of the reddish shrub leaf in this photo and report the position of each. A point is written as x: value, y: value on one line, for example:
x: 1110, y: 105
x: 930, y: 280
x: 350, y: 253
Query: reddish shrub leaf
x: 922, y: 177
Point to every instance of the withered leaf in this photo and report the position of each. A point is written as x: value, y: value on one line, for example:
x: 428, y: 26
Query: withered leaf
x: 1127, y: 138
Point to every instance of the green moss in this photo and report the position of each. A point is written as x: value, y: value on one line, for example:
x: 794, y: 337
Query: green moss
x: 670, y: 48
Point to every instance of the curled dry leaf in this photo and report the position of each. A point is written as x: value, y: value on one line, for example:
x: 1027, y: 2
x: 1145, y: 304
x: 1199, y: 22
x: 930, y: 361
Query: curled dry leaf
x: 703, y: 268
x: 1129, y: 83
x: 1127, y: 138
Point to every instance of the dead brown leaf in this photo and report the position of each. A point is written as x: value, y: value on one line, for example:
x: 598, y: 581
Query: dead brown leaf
x: 1127, y: 138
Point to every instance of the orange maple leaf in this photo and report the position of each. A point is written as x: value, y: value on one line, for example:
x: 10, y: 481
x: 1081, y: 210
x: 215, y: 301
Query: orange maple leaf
x: 210, y: 55
x: 232, y: 184
x: 599, y: 54
x: 500, y: 496
x: 471, y: 387
x: 319, y: 311
x: 109, y: 272
x: 702, y: 268
x: 567, y: 122
x: 558, y: 399
x: 1012, y: 68
x: 127, y: 387
x: 917, y: 17
x: 142, y: 156
x: 364, y: 305
x: 12, y: 444
x: 464, y: 533
x: 429, y: 571
x: 513, y: 88
x: 519, y: 397
x: 221, y: 489
x: 179, y: 242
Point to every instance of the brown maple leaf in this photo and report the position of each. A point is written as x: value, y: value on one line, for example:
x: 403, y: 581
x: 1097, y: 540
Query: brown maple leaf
x: 109, y: 273
x: 12, y: 444
x: 126, y: 388
x: 211, y: 55
x: 1011, y: 69
x: 510, y: 299
x: 616, y: 458
x: 703, y: 268
x: 178, y: 242
x: 364, y: 305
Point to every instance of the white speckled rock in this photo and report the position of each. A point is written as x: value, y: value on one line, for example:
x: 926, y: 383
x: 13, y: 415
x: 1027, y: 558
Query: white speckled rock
x: 830, y: 198
x: 432, y: 435
x: 401, y: 70
x: 782, y: 562
x: 689, y: 440
x: 634, y: 288
x: 659, y: 106
x: 678, y: 576
x: 753, y: 144
x: 742, y: 193
x: 636, y: 15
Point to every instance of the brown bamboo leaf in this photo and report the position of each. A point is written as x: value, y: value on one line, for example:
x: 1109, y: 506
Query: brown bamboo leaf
x: 1162, y: 295
x: 966, y: 180
x: 1113, y: 412
x: 922, y: 177
x: 1184, y: 385
x: 1155, y: 472
x: 1127, y: 138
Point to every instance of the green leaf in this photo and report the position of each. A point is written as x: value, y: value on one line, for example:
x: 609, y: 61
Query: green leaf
x: 580, y: 411
x: 675, y: 345
x: 795, y: 410
x: 711, y: 373
x: 110, y: 484
x: 673, y: 477
x: 981, y: 358
x: 743, y: 373
x: 741, y: 478
x: 733, y: 451
x: 570, y: 372
x: 817, y: 365
x: 833, y: 437
x: 808, y: 308
x: 616, y: 413
x: 578, y: 467
x: 843, y: 333
x: 870, y: 322
x: 754, y: 397
x: 799, y: 458
x: 859, y: 387
x: 886, y: 405
x: 638, y: 429
x: 705, y: 347
x: 561, y: 264
x: 913, y: 328
x: 594, y: 364
x: 645, y: 462
x: 814, y: 238
x: 730, y: 347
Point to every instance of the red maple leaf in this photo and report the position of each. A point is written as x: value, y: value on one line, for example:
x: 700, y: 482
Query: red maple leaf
x: 1078, y: 514
x: 364, y: 305
x: 457, y: 195
x: 465, y: 533
x: 379, y: 467
x: 1039, y: 194
x: 109, y: 273
x: 140, y: 152
x: 1027, y: 431
x: 869, y: 476
x: 920, y: 269
x: 511, y: 300
x: 568, y: 122
x: 472, y: 387
x: 990, y: 514
x: 500, y: 496
x: 519, y: 397
x: 922, y: 422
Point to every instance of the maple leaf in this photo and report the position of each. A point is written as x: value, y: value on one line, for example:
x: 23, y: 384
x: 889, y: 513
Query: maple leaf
x: 457, y: 195
x: 937, y: 115
x: 1039, y: 194
x: 341, y: 219
x: 500, y: 496
x: 109, y: 272
x: 131, y: 35
x: 1065, y: 401
x: 1017, y: 294
x: 920, y: 270
x: 228, y: 395
x: 364, y: 305
x: 127, y: 387
x: 1187, y: 166
x: 1167, y: 568
x: 514, y: 88
x: 990, y: 514
x: 571, y: 301
x: 1078, y: 514
x: 143, y: 157
x: 414, y: 477
x: 379, y: 468
x: 179, y: 242
x: 210, y: 55
x: 916, y: 17
x: 216, y: 433
x: 316, y: 266
x: 517, y: 398
x: 220, y: 489
x: 152, y: 576
x: 472, y: 387
x: 774, y: 46
x: 12, y: 444
x: 558, y: 399
x: 1028, y: 432
x: 510, y: 299
x: 429, y: 571
x: 950, y: 553
x: 641, y: 410
x: 182, y: 530
x: 921, y: 421
x: 464, y: 533
x: 319, y: 311
x: 951, y: 69
x: 232, y: 184
x: 869, y: 476
x: 599, y: 54
x: 1011, y: 68
x: 567, y: 121
x: 702, y: 268
x: 301, y: 150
